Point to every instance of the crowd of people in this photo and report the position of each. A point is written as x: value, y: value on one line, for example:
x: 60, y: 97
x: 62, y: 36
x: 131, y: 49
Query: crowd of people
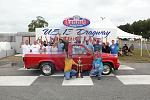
x: 125, y: 50
x: 61, y: 45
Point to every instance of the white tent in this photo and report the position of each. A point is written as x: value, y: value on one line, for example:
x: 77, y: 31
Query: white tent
x: 122, y: 34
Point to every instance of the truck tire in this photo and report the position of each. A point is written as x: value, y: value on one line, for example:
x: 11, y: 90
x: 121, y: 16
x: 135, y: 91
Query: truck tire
x: 107, y: 69
x: 47, y: 68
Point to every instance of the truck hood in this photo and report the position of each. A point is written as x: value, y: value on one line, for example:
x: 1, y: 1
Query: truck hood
x: 105, y: 55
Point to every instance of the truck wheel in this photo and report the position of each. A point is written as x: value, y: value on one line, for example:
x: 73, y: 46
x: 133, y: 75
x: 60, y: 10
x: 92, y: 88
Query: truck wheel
x: 47, y: 68
x: 107, y: 69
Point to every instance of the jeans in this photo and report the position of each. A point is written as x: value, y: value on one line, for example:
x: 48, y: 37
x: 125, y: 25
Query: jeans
x: 96, y: 72
x: 69, y: 74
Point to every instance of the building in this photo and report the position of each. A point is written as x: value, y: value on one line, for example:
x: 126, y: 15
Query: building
x: 16, y: 38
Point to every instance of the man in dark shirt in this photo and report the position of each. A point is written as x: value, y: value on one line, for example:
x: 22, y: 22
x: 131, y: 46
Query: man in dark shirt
x: 44, y: 43
x: 125, y: 49
x: 97, y: 46
x: 104, y: 48
x: 107, y: 48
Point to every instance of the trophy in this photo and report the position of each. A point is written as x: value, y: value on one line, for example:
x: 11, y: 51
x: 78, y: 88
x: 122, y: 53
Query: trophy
x: 79, y: 69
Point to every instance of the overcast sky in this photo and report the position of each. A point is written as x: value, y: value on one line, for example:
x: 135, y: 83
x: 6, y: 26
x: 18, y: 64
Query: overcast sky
x: 15, y: 15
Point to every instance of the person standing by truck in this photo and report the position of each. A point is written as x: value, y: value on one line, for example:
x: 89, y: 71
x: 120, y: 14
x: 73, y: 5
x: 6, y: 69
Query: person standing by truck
x: 35, y: 48
x: 89, y: 46
x: 60, y: 45
x: 54, y: 49
x: 97, y: 46
x: 25, y: 48
x: 68, y: 71
x: 107, y: 47
x: 114, y: 47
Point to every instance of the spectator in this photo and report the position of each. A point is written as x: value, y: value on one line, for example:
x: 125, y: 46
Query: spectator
x: 42, y: 48
x: 120, y: 53
x: 35, y: 48
x: 89, y: 46
x: 97, y: 46
x: 66, y: 43
x: 44, y: 43
x: 78, y: 40
x: 48, y: 47
x: 114, y: 47
x: 107, y: 48
x: 54, y: 48
x: 131, y: 49
x: 125, y: 49
x: 25, y: 48
x: 104, y: 48
x: 90, y: 40
x: 39, y: 41
x: 60, y: 46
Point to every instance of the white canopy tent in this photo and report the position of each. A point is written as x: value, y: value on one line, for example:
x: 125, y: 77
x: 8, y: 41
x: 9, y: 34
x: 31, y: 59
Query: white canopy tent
x: 122, y: 34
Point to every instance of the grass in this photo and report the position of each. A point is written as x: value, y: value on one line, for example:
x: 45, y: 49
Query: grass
x: 10, y: 59
x: 136, y: 57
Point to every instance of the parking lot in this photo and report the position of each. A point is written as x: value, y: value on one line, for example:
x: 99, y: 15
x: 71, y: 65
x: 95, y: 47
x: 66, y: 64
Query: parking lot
x: 130, y: 82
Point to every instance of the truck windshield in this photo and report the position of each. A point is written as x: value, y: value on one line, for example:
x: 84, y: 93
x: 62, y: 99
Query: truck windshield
x: 78, y: 50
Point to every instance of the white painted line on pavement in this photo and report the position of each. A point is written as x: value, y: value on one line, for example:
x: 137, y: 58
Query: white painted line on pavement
x: 111, y: 74
x: 134, y: 79
x: 124, y: 67
x: 55, y: 74
x: 17, y: 80
x: 18, y: 55
x: 86, y: 80
x: 27, y: 69
x: 58, y: 74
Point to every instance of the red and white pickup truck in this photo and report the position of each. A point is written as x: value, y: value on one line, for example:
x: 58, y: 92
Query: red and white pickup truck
x: 51, y: 62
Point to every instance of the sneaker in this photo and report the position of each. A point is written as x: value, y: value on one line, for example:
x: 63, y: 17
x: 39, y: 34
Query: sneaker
x: 99, y: 78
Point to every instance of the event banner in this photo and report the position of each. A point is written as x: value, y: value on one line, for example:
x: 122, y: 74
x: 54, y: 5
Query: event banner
x: 73, y: 27
x: 74, y: 32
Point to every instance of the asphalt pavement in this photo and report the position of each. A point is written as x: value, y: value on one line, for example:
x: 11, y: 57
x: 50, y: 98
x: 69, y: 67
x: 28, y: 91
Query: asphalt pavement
x: 130, y: 82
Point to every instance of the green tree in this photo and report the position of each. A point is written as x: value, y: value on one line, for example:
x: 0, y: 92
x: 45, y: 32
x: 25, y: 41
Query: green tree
x: 38, y: 23
x: 141, y: 27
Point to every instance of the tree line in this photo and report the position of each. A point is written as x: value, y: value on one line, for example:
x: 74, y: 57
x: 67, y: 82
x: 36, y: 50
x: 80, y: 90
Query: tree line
x: 141, y: 27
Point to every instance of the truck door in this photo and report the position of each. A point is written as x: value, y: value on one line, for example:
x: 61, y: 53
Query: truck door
x: 85, y: 56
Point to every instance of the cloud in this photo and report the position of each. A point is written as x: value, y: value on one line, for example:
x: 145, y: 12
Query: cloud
x: 17, y: 14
